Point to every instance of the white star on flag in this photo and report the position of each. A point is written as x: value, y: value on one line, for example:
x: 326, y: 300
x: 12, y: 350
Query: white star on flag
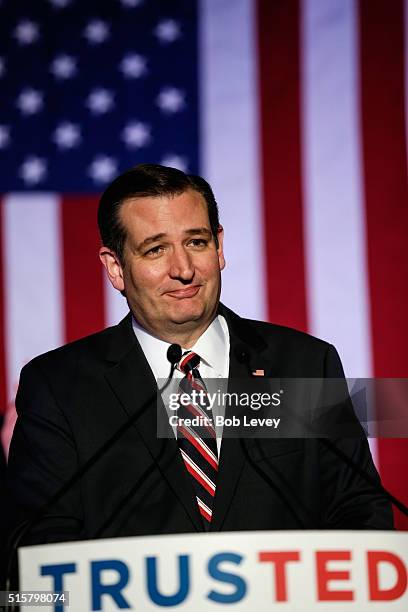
x: 103, y: 169
x: 100, y: 101
x: 167, y: 31
x: 175, y: 161
x: 133, y: 65
x: 67, y: 135
x: 33, y: 170
x: 2, y: 67
x: 60, y: 3
x: 26, y: 32
x: 63, y: 67
x: 4, y: 136
x: 136, y: 134
x: 131, y: 3
x: 30, y: 101
x: 170, y: 100
x: 96, y: 32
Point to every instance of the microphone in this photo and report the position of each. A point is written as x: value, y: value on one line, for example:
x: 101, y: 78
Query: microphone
x: 174, y: 354
x: 243, y: 356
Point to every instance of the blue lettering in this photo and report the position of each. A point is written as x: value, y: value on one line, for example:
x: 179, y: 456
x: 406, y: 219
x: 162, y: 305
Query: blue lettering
x: 222, y: 576
x: 114, y: 590
x: 184, y: 583
x: 57, y: 572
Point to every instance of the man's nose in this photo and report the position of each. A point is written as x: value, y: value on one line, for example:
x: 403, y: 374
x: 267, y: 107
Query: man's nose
x: 181, y: 265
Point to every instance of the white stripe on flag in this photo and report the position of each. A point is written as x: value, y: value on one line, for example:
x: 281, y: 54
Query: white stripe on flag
x: 33, y: 275
x: 229, y: 145
x: 337, y: 275
x: 334, y: 205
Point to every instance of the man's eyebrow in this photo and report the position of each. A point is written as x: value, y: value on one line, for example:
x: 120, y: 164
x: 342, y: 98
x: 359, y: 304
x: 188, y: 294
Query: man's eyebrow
x: 150, y: 239
x: 198, y: 230
x: 190, y: 232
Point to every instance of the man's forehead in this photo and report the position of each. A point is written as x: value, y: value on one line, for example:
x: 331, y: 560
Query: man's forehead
x: 150, y: 209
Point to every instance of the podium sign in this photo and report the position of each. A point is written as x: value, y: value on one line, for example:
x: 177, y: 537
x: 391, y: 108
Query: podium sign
x: 258, y: 571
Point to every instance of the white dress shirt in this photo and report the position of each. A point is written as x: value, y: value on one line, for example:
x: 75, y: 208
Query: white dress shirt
x: 213, y: 347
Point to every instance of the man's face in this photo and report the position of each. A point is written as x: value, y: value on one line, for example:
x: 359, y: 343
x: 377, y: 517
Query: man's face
x: 172, y: 271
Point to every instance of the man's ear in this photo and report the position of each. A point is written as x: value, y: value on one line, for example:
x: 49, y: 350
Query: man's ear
x: 220, y: 250
x: 113, y: 267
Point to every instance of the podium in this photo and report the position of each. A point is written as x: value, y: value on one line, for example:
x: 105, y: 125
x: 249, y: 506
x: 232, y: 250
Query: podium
x: 255, y: 571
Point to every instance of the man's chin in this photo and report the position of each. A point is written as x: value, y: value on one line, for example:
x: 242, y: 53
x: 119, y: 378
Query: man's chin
x: 187, y: 312
x: 186, y: 318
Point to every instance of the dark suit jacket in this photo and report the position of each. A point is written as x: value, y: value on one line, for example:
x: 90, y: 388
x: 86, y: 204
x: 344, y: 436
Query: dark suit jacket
x: 71, y: 400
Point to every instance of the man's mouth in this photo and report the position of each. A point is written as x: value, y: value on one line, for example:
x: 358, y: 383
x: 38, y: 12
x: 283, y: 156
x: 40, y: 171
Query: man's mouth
x: 186, y: 292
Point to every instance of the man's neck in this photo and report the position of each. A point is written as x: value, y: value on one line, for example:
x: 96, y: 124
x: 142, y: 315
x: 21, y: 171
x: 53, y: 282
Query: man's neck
x: 186, y: 338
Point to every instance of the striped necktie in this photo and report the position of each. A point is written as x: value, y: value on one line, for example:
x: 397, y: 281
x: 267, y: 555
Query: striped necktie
x: 198, y: 445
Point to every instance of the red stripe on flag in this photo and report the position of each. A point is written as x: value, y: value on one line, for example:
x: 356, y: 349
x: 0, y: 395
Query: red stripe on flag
x: 3, y: 382
x: 82, y: 270
x: 386, y: 195
x: 279, y: 61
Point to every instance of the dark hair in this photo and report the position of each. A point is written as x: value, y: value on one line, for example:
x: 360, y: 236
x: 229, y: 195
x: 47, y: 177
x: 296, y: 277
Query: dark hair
x: 147, y: 180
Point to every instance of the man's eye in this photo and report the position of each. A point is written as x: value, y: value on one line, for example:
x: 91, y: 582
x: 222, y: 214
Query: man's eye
x: 198, y: 242
x: 154, y: 251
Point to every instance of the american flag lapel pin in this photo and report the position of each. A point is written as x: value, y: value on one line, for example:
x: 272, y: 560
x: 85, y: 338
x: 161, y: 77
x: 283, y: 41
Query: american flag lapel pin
x: 258, y: 373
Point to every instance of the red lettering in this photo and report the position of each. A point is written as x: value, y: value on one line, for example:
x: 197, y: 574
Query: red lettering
x: 374, y: 558
x: 279, y: 559
x: 324, y: 575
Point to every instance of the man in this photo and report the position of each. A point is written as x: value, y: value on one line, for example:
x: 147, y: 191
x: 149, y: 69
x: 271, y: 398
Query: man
x: 163, y: 249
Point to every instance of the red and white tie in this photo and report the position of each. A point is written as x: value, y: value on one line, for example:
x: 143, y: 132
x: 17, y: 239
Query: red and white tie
x: 198, y: 445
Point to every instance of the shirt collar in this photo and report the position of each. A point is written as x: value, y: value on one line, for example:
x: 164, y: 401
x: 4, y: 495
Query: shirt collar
x: 211, y: 347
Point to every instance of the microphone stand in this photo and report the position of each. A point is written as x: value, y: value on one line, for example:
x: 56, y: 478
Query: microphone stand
x: 243, y: 356
x: 174, y: 353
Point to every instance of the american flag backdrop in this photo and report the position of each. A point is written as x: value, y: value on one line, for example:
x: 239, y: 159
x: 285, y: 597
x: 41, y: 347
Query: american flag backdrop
x: 294, y: 110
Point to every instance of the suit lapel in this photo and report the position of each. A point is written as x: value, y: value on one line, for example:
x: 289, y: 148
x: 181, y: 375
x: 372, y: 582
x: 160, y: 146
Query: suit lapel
x: 232, y: 458
x: 133, y: 383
